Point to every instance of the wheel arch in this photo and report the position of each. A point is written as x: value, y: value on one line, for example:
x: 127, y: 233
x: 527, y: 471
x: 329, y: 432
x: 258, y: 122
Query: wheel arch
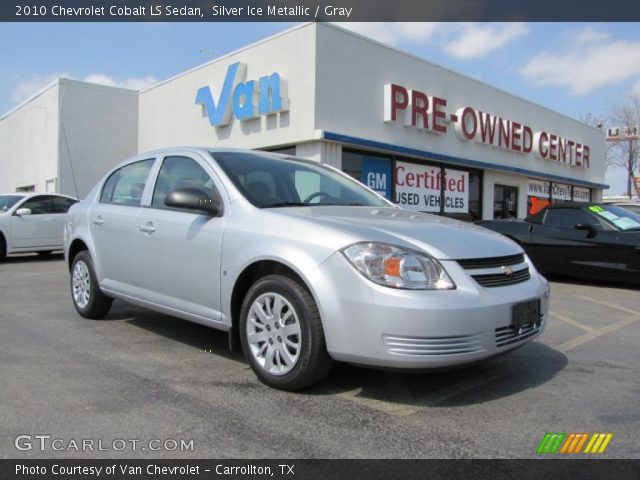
x: 249, y: 275
x: 77, y: 245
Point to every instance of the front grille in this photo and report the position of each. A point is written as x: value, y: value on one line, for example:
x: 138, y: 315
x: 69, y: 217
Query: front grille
x: 507, y: 335
x: 497, y: 271
x: 502, y: 279
x: 429, y: 346
x: 491, y: 262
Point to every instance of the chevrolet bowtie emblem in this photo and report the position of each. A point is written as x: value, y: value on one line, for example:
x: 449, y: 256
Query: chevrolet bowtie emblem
x: 507, y: 270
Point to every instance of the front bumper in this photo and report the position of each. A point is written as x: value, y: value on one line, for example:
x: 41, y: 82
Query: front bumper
x: 369, y: 324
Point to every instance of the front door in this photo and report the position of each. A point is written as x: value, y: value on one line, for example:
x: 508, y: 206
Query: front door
x: 180, y: 249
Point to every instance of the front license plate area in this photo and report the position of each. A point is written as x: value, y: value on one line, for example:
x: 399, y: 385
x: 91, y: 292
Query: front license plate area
x: 525, y: 313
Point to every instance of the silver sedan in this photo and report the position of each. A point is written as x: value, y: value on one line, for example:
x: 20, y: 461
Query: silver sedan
x: 300, y: 263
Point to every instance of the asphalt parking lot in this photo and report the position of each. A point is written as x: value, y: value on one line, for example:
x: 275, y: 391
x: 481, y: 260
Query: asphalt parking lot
x: 141, y: 375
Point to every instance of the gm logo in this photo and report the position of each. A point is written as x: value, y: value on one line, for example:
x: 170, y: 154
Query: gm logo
x: 245, y: 99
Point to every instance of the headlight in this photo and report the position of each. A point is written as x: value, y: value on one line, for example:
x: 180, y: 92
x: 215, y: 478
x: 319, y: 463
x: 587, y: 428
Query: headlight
x: 397, y: 267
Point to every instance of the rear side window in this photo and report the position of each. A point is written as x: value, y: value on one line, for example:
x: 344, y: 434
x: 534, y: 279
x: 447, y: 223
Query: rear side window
x: 125, y: 185
x: 62, y: 204
x: 569, y: 218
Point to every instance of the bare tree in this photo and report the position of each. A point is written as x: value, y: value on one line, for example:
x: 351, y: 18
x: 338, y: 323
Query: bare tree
x: 626, y: 152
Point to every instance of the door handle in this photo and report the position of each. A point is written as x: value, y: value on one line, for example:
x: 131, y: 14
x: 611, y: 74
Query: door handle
x: 147, y: 228
x: 98, y: 221
x: 49, y: 219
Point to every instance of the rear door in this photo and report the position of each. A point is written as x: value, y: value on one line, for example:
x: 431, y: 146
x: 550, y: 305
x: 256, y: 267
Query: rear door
x: 112, y: 223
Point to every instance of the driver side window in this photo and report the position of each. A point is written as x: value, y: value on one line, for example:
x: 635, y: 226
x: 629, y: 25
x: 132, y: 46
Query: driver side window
x: 569, y: 218
x: 181, y: 172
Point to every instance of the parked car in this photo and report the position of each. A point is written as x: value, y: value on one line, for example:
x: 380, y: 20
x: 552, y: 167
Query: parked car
x: 301, y: 262
x: 631, y: 206
x: 32, y: 222
x: 588, y: 241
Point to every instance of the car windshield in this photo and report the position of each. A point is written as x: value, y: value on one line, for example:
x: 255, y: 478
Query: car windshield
x: 8, y: 201
x: 268, y: 181
x: 620, y: 218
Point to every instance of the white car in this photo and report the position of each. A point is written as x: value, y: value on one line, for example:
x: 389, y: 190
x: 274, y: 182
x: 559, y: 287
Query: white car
x: 32, y: 222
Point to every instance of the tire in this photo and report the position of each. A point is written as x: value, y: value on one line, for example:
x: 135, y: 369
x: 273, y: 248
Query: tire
x: 286, y: 350
x: 3, y: 248
x: 86, y: 295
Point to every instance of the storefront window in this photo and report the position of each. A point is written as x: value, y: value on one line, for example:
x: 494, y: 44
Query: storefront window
x: 419, y: 186
x: 372, y: 170
x: 505, y: 201
x: 538, y: 196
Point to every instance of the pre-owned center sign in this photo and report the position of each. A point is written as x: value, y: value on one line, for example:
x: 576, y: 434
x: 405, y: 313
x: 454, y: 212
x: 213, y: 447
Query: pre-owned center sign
x: 429, y: 113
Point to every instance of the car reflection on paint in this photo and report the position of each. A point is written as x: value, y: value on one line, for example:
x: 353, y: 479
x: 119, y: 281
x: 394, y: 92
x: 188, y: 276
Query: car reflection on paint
x: 599, y: 242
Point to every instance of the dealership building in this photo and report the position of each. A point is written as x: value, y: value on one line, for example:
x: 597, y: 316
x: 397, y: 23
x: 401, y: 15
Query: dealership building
x: 426, y: 137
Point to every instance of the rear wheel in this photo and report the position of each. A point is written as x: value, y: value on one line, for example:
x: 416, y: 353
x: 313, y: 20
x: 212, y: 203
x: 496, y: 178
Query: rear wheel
x: 281, y: 334
x: 87, y: 297
x: 3, y: 247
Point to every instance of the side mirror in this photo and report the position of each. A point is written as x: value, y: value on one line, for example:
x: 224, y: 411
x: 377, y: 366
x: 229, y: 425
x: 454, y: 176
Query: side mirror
x: 23, y: 211
x: 193, y: 199
x: 589, y: 228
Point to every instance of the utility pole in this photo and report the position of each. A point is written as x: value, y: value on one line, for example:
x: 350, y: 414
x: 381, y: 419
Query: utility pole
x: 631, y: 135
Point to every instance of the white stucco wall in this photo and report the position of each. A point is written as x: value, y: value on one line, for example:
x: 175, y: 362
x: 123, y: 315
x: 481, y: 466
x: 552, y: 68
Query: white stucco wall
x: 100, y: 126
x: 170, y: 117
x: 29, y: 142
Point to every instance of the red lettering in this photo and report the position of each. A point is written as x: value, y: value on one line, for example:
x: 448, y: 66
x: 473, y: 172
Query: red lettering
x: 419, y: 107
x: 585, y: 155
x: 409, y: 179
x: 527, y: 139
x: 578, y: 155
x: 399, y: 170
x: 487, y: 127
x: 438, y: 114
x: 504, y: 132
x: 516, y: 136
x: 469, y: 116
x: 553, y: 147
x: 399, y: 100
x: 542, y: 145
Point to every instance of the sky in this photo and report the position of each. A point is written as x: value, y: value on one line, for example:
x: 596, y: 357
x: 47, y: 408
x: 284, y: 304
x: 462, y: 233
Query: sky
x: 573, y: 68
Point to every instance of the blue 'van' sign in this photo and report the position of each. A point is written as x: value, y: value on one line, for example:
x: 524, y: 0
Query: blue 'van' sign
x: 246, y: 100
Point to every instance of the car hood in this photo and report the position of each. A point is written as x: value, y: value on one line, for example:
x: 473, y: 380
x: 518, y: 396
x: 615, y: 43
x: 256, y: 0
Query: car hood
x: 441, y: 237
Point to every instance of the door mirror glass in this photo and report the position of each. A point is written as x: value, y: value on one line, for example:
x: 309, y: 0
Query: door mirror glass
x: 193, y: 199
x: 23, y: 211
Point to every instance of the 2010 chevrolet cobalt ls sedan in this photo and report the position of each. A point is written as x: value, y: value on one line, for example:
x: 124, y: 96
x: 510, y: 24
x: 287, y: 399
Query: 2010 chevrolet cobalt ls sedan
x: 301, y: 262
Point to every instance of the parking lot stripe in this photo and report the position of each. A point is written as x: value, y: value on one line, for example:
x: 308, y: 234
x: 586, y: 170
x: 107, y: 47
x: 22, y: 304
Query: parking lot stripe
x: 611, y: 305
x: 587, y: 337
x: 379, y: 405
x: 572, y: 322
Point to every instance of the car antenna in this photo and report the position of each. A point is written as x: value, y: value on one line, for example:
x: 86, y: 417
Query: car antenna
x: 64, y: 136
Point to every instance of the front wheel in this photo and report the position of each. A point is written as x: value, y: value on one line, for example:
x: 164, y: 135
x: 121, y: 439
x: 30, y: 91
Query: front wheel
x: 87, y: 297
x: 281, y: 334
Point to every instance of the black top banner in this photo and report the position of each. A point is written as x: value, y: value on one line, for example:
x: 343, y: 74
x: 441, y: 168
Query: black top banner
x: 316, y: 10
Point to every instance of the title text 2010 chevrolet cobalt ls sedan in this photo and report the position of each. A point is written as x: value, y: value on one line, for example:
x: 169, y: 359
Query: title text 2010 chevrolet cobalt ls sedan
x: 303, y: 263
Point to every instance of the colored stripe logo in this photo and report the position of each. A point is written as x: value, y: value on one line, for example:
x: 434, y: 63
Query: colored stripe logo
x: 572, y: 443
